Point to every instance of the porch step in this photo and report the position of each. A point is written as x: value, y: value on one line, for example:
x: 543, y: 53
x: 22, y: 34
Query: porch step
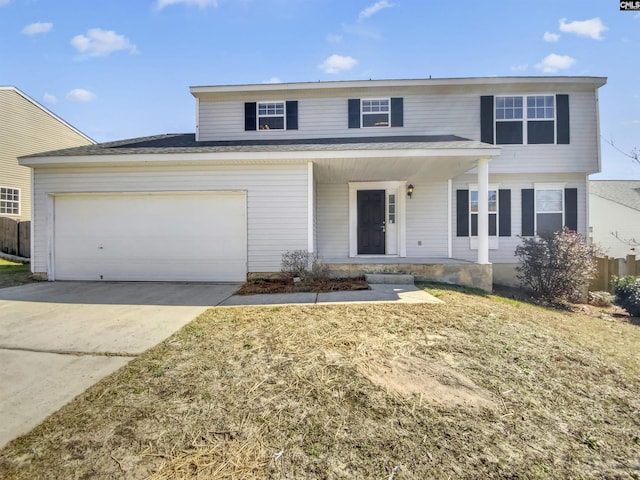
x: 390, y: 278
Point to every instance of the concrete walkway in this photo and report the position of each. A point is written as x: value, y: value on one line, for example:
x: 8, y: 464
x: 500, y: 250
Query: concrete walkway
x: 378, y: 293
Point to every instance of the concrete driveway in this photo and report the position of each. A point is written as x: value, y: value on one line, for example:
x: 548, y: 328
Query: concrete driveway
x: 59, y: 338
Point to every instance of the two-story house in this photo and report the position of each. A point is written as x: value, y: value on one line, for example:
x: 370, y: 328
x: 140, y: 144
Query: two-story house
x: 26, y: 127
x: 435, y: 177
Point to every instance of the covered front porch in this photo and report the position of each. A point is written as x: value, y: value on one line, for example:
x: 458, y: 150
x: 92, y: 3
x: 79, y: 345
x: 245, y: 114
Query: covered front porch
x: 423, y: 269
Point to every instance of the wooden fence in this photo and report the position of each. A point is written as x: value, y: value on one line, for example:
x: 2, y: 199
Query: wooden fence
x: 609, y: 267
x: 15, y: 237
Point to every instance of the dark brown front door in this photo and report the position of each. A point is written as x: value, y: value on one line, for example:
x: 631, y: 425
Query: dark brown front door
x: 371, y: 226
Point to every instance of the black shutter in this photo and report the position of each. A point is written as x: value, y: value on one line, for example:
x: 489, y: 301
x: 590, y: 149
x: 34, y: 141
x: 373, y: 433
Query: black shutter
x: 250, y: 116
x: 504, y: 214
x: 354, y: 113
x: 462, y: 213
x: 292, y: 115
x: 562, y: 119
x: 397, y: 112
x: 486, y: 119
x: 528, y: 212
x: 571, y: 208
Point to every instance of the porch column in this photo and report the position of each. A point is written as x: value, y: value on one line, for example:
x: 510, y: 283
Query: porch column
x: 483, y: 211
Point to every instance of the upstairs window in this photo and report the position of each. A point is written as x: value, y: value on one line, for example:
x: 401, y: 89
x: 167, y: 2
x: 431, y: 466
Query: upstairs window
x: 277, y: 115
x: 9, y: 201
x: 375, y: 112
x: 524, y: 119
x: 271, y: 116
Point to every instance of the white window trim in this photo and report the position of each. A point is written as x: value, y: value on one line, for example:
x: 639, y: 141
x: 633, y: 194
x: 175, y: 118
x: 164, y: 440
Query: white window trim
x: 547, y: 186
x: 362, y: 113
x: 399, y: 188
x: 284, y: 116
x: 525, y: 117
x: 494, y: 242
x: 19, y: 201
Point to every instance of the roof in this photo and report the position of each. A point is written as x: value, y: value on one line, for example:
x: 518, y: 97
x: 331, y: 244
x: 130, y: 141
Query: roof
x: 624, y: 192
x: 592, y: 82
x: 186, y: 143
x: 45, y: 110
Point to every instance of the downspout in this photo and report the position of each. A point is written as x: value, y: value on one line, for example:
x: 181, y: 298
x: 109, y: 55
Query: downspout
x: 449, y: 219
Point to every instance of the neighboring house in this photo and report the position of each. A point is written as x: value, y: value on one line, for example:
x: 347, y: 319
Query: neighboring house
x: 435, y: 177
x: 26, y: 127
x: 614, y: 216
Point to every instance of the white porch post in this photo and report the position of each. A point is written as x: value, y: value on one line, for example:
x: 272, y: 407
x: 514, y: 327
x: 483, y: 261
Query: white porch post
x: 483, y: 211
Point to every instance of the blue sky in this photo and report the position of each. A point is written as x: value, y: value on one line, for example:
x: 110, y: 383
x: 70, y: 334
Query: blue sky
x: 122, y: 68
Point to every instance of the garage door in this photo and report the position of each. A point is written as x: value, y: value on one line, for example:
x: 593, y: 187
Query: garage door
x: 151, y: 237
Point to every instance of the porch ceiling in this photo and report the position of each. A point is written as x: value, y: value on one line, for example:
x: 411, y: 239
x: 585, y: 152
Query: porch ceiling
x: 418, y: 168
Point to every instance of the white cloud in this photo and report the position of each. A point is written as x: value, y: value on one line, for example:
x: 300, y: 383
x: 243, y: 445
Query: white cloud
x: 50, y: 98
x: 338, y: 63
x: 585, y: 28
x: 38, y: 27
x: 373, y: 9
x: 520, y: 68
x: 4, y: 2
x: 552, y: 63
x: 273, y: 80
x: 334, y: 38
x: 551, y: 37
x: 80, y: 95
x: 160, y: 4
x: 99, y: 43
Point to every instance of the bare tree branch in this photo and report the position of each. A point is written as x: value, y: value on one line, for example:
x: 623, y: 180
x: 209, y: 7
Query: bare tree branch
x: 634, y: 154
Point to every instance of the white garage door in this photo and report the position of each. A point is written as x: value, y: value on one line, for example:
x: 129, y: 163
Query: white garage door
x: 151, y: 237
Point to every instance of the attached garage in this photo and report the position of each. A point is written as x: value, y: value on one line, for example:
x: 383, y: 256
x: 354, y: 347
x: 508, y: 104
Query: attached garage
x: 164, y: 236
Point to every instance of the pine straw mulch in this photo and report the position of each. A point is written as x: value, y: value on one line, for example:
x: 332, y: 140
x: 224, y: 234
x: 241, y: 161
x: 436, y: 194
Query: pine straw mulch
x: 478, y: 387
x: 287, y: 285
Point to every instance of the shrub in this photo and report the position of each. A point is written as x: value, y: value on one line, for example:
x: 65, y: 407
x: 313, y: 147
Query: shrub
x: 556, y: 267
x: 305, y: 265
x: 601, y: 299
x: 627, y: 290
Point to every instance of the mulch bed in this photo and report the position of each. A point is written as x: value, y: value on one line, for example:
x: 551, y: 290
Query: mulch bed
x: 279, y: 285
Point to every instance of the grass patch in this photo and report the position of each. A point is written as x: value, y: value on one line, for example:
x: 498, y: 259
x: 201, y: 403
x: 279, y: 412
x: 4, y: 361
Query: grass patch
x: 12, y: 274
x: 473, y: 388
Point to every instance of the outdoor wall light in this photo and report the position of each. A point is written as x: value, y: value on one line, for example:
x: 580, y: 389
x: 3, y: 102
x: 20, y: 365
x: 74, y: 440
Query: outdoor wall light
x: 409, y: 190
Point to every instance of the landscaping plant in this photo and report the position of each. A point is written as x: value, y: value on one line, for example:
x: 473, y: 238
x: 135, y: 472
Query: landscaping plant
x: 627, y: 290
x: 305, y: 265
x: 556, y: 267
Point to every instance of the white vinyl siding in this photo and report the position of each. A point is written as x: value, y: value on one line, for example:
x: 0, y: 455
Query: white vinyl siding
x: 515, y: 183
x: 442, y: 113
x: 27, y: 129
x: 276, y: 200
x: 426, y: 210
x: 333, y: 220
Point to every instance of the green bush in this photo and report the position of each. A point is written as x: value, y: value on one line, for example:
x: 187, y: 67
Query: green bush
x: 304, y: 265
x: 627, y: 290
x: 557, y: 267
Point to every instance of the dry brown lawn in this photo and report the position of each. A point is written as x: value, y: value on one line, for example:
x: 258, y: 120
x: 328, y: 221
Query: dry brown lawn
x: 478, y: 387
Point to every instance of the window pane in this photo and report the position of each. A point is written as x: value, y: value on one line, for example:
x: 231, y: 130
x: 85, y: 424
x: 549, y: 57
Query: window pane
x: 473, y: 201
x: 548, y: 201
x: 271, y: 123
x: 548, y: 223
x: 508, y: 133
x: 375, y: 120
x: 493, y: 201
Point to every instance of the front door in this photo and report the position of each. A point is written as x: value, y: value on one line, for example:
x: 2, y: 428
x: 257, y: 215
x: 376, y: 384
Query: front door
x: 371, y: 222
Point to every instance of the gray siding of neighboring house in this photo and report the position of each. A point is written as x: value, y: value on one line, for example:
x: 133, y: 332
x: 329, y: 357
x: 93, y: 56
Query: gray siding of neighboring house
x: 25, y: 129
